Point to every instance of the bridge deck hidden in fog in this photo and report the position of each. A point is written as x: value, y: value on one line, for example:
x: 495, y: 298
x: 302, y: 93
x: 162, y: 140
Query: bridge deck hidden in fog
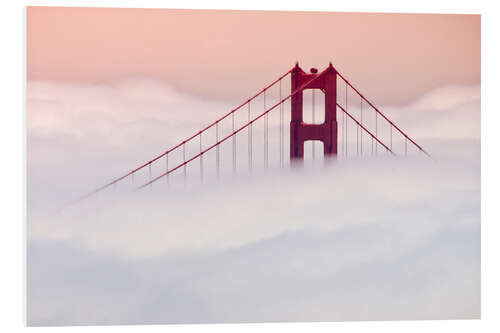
x: 352, y: 125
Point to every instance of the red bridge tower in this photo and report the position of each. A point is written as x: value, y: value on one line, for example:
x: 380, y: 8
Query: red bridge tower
x: 327, y: 131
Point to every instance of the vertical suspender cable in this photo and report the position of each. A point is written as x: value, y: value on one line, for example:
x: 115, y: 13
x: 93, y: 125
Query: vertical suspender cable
x: 357, y: 137
x: 346, y: 121
x: 234, y: 143
x: 283, y: 135
x: 345, y: 124
x: 249, y: 140
x: 265, y: 132
x: 376, y: 131
x: 357, y: 140
x: 372, y: 144
x: 150, y: 174
x: 166, y: 168
x: 281, y: 130
x: 201, y: 160
x: 184, y: 159
x: 391, y: 136
x: 342, y: 133
x: 313, y: 121
x: 361, y: 132
x: 217, y: 150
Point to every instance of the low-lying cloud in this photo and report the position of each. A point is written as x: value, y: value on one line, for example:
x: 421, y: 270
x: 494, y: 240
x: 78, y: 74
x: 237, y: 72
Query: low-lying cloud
x: 360, y: 239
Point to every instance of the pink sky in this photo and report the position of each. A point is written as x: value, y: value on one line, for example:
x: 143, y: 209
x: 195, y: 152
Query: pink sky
x: 393, y: 58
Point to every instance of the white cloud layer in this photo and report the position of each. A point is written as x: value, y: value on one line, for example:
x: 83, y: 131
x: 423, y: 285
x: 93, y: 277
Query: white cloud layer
x: 359, y: 239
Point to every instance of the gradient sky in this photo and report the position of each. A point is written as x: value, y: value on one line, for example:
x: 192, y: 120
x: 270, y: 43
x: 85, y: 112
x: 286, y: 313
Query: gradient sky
x: 393, y: 58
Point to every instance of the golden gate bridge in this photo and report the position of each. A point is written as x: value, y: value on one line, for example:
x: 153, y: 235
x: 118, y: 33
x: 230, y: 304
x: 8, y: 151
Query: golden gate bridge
x: 352, y: 125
